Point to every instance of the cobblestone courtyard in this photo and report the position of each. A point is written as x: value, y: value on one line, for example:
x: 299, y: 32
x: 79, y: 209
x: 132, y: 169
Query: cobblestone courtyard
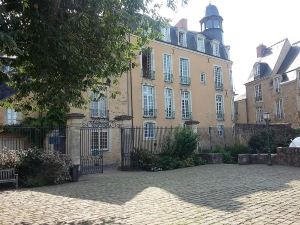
x: 210, y: 194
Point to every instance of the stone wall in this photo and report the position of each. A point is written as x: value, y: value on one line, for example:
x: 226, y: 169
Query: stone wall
x: 243, y: 132
x: 285, y: 156
x: 288, y: 156
x: 211, y: 158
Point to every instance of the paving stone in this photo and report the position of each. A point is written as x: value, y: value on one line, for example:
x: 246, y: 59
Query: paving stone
x: 210, y: 194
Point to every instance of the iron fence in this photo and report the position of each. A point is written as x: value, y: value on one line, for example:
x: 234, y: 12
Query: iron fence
x: 22, y: 138
x: 154, y: 140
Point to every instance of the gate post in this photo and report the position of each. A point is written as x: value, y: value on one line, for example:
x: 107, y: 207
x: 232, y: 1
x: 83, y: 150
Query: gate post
x: 74, y: 122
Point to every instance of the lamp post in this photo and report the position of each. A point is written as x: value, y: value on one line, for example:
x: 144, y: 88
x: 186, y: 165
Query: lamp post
x: 267, y: 120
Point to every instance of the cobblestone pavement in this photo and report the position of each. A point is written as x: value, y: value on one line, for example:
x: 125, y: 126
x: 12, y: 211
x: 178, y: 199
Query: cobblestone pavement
x: 210, y: 194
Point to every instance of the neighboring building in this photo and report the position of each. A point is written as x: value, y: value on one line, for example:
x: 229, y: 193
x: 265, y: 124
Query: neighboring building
x: 273, y: 86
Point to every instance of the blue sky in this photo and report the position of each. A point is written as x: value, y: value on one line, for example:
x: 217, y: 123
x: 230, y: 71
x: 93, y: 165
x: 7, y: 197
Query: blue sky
x: 247, y: 23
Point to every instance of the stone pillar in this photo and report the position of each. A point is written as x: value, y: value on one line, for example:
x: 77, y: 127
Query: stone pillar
x: 74, y: 123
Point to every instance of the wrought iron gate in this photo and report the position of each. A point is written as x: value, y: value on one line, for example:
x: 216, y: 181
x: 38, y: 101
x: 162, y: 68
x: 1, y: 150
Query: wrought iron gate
x: 93, y: 141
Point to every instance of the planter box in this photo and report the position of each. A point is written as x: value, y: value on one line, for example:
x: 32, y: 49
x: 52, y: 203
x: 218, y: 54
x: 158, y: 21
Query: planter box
x: 211, y: 158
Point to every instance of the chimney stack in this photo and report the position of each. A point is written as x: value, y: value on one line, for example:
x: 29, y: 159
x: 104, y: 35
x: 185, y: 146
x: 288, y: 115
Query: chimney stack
x: 260, y: 50
x: 182, y: 24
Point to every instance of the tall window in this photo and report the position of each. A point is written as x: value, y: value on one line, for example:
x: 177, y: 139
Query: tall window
x: 257, y: 71
x: 279, y: 109
x: 218, y: 78
x: 182, y: 38
x: 149, y: 130
x: 149, y: 104
x: 216, y: 48
x: 259, y: 114
x: 220, y: 130
x: 168, y: 76
x: 186, y: 105
x: 99, y: 105
x: 166, y: 34
x: 203, y: 78
x: 148, y: 64
x: 277, y: 84
x: 258, y: 93
x: 219, y: 107
x: 184, y: 71
x: 169, y: 104
x: 11, y: 116
x: 201, y: 44
x: 99, y: 141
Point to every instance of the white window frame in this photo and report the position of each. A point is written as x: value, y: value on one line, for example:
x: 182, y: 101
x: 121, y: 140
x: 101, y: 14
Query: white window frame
x: 99, y: 105
x: 203, y: 78
x: 219, y: 107
x: 149, y: 132
x: 279, y: 109
x: 218, y: 77
x: 186, y: 106
x: 257, y: 93
x: 149, y: 109
x: 220, y: 130
x: 151, y: 68
x: 11, y: 116
x: 259, y: 114
x: 257, y: 71
x: 166, y: 35
x: 276, y: 82
x: 184, y: 43
x: 98, y: 140
x: 169, y: 103
x: 167, y: 67
x: 215, y: 48
x: 201, y: 43
x: 184, y: 73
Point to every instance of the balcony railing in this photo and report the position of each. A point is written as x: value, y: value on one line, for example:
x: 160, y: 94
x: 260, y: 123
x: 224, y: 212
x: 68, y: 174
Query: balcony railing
x: 169, y: 114
x: 99, y: 113
x: 168, y: 77
x: 186, y: 115
x: 150, y: 113
x: 149, y: 74
x: 220, y: 116
x: 219, y: 86
x: 185, y: 80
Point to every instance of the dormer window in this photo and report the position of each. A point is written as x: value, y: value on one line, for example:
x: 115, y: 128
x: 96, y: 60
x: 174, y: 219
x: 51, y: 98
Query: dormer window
x: 257, y: 71
x: 216, y: 48
x: 201, y: 43
x: 182, y: 38
x: 165, y: 31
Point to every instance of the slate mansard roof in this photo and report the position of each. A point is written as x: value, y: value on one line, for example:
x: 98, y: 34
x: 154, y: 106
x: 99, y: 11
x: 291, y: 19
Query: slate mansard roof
x: 191, y: 40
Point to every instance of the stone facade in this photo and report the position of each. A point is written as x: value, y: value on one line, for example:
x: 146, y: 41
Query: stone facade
x: 273, y: 86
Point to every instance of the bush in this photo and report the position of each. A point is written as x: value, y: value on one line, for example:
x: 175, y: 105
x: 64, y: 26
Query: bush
x: 230, y: 153
x: 142, y: 159
x: 8, y: 159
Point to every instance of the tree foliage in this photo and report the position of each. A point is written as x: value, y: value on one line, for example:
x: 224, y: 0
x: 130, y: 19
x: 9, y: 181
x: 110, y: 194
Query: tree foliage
x: 65, y: 47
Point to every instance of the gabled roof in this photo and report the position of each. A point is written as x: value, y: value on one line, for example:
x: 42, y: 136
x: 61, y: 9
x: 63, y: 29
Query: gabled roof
x: 270, y: 60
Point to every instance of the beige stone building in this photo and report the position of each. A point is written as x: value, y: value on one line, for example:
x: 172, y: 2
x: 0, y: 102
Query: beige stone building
x: 273, y: 86
x: 181, y: 79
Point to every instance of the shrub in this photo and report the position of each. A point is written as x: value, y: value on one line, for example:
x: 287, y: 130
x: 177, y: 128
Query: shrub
x: 166, y: 162
x: 182, y: 144
x: 230, y: 153
x: 8, y: 159
x: 38, y: 168
x: 142, y: 159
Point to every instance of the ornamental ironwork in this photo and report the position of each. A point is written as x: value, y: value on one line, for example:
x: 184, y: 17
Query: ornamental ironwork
x: 104, y: 124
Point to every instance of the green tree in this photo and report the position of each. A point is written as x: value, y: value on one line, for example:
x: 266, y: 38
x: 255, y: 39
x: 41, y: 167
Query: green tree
x: 65, y: 47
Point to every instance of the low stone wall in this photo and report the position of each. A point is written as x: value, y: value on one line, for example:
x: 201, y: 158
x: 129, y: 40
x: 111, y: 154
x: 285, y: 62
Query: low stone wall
x: 245, y: 159
x: 288, y: 156
x: 211, y: 158
x: 285, y: 156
